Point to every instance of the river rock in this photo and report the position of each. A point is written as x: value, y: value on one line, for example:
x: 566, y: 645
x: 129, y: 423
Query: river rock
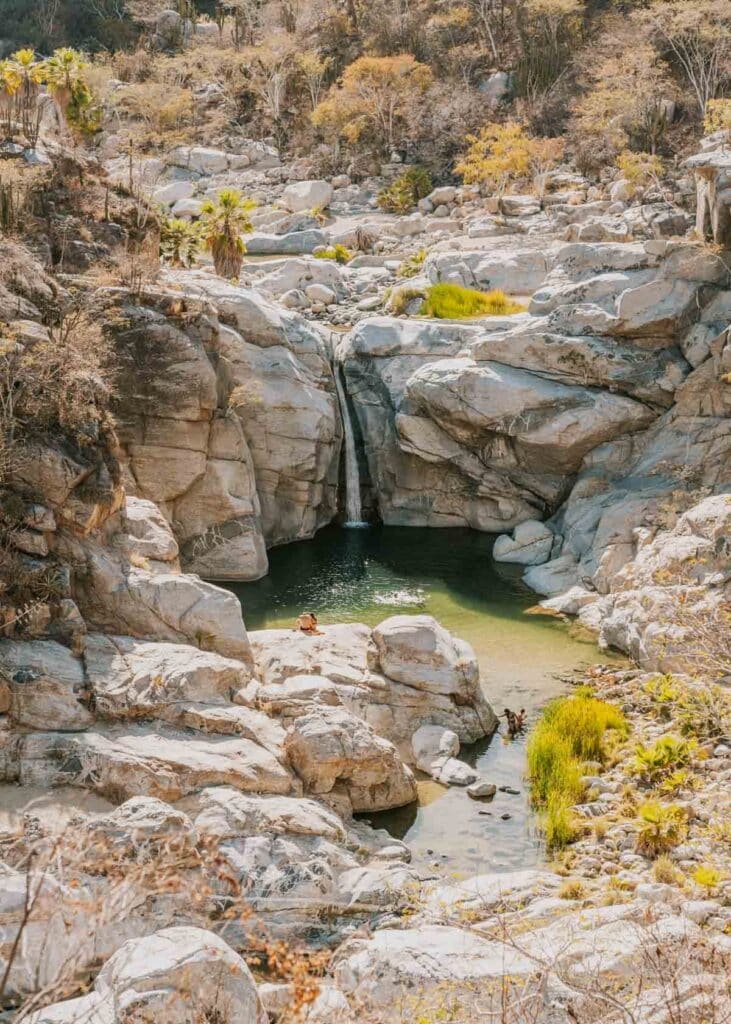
x: 530, y: 544
x: 331, y: 747
x: 417, y: 651
x: 292, y: 243
x: 301, y: 274
x: 431, y: 742
x: 481, y: 790
x: 307, y: 195
x: 426, y: 961
x: 143, y: 824
x: 512, y: 272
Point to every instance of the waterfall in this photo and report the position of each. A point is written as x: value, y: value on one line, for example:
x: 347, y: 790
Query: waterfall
x: 352, y: 477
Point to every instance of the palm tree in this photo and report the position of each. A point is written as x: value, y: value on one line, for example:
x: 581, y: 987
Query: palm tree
x: 10, y: 83
x: 223, y: 222
x: 26, y: 75
x: 179, y: 242
x: 66, y: 79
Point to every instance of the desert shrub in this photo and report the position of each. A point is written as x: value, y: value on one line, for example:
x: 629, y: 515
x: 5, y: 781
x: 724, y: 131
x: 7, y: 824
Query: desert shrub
x: 700, y: 711
x: 708, y: 877
x: 677, y: 781
x: 718, y: 116
x: 639, y: 168
x: 663, y: 870
x: 339, y: 253
x: 453, y: 302
x: 662, y: 758
x: 572, y: 889
x: 411, y: 266
x: 373, y: 100
x: 505, y: 154
x: 661, y: 827
x: 406, y: 191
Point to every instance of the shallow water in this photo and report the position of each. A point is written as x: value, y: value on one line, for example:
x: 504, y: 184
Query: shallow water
x: 365, y: 575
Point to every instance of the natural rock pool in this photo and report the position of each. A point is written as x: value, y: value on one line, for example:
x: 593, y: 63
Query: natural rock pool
x: 365, y: 575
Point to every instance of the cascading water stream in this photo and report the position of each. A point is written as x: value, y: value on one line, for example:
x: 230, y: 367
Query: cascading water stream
x: 353, y: 510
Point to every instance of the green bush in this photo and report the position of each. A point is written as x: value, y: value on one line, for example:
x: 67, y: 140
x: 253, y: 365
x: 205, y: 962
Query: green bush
x: 411, y: 266
x: 453, y: 302
x: 406, y: 191
x: 571, y: 730
x: 662, y: 759
x: 661, y: 827
x: 337, y: 252
x: 704, y: 712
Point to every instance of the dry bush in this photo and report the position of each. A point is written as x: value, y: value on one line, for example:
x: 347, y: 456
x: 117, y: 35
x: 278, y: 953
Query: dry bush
x: 105, y: 880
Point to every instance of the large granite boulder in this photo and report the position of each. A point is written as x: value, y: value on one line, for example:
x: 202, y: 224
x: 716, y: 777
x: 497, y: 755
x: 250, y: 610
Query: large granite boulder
x: 332, y: 750
x: 307, y: 195
x: 417, y: 651
x: 281, y: 401
x: 122, y: 599
x: 435, y: 681
x: 176, y: 975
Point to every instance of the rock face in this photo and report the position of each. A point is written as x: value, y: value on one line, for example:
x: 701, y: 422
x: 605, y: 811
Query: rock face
x: 487, y: 424
x: 712, y: 170
x: 666, y: 603
x: 233, y: 432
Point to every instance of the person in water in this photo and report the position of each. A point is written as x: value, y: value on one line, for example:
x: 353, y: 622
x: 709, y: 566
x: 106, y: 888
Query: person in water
x: 307, y: 623
x: 516, y: 721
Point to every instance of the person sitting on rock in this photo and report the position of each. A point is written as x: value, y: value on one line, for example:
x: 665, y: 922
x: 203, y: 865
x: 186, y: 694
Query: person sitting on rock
x: 307, y: 623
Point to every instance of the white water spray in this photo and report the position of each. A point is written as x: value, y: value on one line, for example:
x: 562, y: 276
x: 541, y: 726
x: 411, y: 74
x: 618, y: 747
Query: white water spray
x: 353, y: 510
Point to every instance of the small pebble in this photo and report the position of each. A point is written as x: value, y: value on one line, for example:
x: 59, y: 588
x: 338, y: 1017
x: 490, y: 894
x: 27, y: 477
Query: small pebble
x: 506, y: 817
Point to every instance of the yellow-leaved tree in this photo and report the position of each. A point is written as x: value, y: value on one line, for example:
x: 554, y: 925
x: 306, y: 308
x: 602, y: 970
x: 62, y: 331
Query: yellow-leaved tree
x: 503, y: 154
x: 372, y: 101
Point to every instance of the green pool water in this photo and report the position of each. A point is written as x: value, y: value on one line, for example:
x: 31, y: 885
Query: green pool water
x: 365, y: 575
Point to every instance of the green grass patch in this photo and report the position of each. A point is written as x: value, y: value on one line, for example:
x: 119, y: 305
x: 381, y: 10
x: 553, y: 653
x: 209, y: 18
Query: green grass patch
x: 339, y: 253
x: 571, y: 731
x: 453, y: 302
